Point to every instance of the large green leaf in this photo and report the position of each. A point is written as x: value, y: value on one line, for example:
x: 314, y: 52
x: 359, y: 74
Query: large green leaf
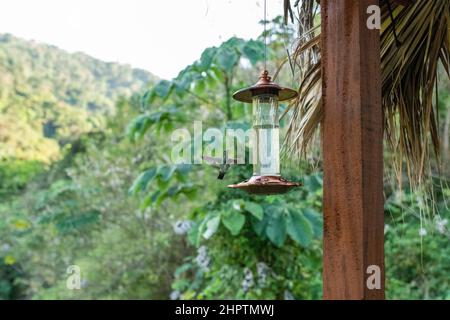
x: 183, y: 188
x: 166, y: 172
x: 200, y: 86
x: 227, y: 58
x: 234, y: 42
x: 160, y: 119
x: 141, y: 182
x: 183, y: 169
x: 255, y: 209
x: 194, y: 234
x: 162, y: 88
x: 316, y: 221
x: 276, y: 227
x: 299, y: 228
x: 254, y: 51
x: 152, y: 198
x: 183, y: 82
x: 207, y: 57
x: 233, y: 221
x: 147, y: 98
x: 313, y: 183
x: 259, y: 226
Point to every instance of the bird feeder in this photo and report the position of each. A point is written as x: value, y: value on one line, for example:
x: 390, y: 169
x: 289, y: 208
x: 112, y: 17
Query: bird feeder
x: 264, y: 96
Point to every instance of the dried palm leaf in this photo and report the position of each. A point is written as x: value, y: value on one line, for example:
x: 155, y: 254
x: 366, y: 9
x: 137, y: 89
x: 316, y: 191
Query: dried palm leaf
x: 409, y: 78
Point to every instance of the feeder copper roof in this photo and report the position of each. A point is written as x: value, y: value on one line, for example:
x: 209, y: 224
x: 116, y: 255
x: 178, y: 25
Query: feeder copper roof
x: 264, y: 86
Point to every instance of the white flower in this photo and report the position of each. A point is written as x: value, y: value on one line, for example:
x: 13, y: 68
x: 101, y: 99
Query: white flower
x: 202, y: 258
x: 288, y: 295
x: 422, y: 232
x: 440, y: 225
x: 6, y: 247
x: 202, y: 250
x: 175, y: 295
x: 182, y: 227
x: 386, y: 228
x: 248, y: 282
x: 263, y: 271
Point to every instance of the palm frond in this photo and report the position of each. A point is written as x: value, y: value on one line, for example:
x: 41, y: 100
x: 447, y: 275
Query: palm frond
x: 409, y: 78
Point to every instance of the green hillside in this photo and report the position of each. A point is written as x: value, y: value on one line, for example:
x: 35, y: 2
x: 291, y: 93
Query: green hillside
x: 48, y: 97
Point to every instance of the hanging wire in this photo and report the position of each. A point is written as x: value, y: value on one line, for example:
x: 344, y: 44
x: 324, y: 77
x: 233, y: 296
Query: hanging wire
x: 265, y: 35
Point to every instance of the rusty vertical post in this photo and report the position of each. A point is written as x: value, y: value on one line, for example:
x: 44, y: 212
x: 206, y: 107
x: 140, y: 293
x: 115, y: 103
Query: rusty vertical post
x: 353, y: 152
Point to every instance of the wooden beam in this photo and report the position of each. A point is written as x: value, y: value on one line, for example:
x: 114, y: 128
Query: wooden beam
x: 353, y: 151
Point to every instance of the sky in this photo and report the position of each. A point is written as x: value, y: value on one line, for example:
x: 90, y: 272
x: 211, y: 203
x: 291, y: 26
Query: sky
x: 161, y: 36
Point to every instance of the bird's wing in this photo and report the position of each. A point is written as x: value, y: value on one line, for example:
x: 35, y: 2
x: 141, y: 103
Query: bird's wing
x: 211, y: 160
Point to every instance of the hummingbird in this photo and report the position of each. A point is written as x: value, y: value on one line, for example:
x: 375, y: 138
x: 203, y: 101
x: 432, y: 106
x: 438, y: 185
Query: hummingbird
x: 223, y: 164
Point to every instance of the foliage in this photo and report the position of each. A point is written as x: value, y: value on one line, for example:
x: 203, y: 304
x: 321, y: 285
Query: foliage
x: 79, y: 213
x: 417, y: 251
x: 14, y: 175
x: 140, y: 227
x: 263, y: 229
x: 265, y: 248
x: 49, y: 97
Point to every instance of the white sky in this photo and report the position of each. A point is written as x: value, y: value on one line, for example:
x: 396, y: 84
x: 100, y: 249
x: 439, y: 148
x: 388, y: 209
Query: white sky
x: 161, y: 36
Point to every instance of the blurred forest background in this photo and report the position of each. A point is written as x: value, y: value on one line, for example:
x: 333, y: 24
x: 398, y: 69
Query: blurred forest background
x: 86, y: 179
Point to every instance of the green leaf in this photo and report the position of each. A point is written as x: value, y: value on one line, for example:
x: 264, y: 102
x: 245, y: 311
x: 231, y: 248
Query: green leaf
x: 218, y: 74
x: 200, y: 231
x: 207, y: 57
x: 313, y: 183
x: 142, y: 181
x: 211, y: 80
x: 78, y: 222
x: 200, y: 86
x: 139, y: 126
x: 316, y: 221
x: 150, y: 199
x: 174, y: 190
x: 145, y: 99
x: 184, y: 169
x: 162, y: 184
x: 254, y: 51
x: 160, y: 198
x: 299, y: 228
x: 276, y: 228
x: 163, y: 88
x: 255, y: 209
x: 233, y: 221
x: 211, y: 227
x: 166, y: 172
x: 259, y: 226
x: 190, y: 192
x: 234, y: 42
x: 183, y: 268
x: 182, y: 83
x: 227, y: 58
x: 193, y: 234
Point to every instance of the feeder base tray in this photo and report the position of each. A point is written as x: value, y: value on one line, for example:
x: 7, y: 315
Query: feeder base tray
x: 266, y: 185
